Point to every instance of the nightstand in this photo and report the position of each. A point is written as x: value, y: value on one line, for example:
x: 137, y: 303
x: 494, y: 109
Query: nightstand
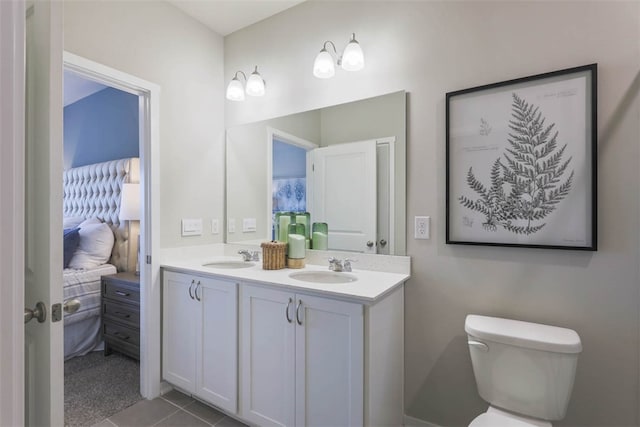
x: 121, y: 314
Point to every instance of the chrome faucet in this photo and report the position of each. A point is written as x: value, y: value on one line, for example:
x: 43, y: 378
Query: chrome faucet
x: 336, y: 264
x: 249, y: 255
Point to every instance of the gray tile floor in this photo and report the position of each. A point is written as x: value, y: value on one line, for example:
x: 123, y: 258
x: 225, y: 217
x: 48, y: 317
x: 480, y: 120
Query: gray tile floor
x: 171, y: 409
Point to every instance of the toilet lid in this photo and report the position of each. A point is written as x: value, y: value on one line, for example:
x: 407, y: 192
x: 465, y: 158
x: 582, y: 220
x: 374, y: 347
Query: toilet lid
x: 496, y: 418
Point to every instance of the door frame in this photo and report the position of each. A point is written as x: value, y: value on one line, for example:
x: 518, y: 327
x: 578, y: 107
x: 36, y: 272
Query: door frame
x: 149, y: 140
x: 12, y: 158
x: 289, y: 139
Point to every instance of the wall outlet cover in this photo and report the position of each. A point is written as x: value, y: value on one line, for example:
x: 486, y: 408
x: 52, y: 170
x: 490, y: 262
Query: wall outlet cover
x: 231, y: 226
x: 192, y: 227
x: 215, y: 226
x: 421, y: 228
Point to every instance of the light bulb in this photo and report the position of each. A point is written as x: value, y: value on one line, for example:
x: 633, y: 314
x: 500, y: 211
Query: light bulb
x: 255, y: 84
x: 235, y: 91
x: 323, y: 67
x: 353, y: 58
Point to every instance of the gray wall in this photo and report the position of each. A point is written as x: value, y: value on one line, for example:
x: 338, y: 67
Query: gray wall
x: 157, y: 42
x: 428, y: 49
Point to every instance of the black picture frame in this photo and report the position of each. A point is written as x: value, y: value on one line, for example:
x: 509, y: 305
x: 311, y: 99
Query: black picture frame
x: 522, y: 162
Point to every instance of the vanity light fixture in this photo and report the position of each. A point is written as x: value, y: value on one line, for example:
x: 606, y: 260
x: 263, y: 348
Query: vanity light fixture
x: 255, y: 86
x: 352, y: 59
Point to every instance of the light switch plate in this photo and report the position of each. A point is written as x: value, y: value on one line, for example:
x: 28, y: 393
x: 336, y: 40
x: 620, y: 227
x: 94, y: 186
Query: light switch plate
x: 231, y: 226
x: 192, y: 227
x: 215, y: 226
x: 248, y: 225
x: 421, y: 230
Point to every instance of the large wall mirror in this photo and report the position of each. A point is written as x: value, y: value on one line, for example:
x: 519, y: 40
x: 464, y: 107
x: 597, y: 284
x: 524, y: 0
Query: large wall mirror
x: 343, y: 164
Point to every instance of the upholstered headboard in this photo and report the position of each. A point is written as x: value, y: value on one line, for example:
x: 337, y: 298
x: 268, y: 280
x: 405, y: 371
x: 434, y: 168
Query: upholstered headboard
x: 93, y: 191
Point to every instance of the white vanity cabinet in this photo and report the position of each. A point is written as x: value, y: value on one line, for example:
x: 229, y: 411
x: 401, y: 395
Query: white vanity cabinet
x: 318, y: 361
x: 200, y: 337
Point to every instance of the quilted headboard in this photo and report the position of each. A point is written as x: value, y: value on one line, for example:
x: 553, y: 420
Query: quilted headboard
x: 93, y: 191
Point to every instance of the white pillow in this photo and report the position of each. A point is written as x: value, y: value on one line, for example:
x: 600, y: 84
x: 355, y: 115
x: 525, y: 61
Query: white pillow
x: 96, y: 243
x: 71, y: 222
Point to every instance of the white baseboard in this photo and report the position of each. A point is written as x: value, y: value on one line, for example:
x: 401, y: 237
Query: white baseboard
x: 410, y: 421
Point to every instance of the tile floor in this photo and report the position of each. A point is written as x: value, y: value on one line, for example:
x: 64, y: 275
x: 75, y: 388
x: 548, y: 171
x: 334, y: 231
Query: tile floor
x: 171, y: 409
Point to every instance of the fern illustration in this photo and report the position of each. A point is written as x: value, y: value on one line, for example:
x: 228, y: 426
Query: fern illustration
x: 527, y: 183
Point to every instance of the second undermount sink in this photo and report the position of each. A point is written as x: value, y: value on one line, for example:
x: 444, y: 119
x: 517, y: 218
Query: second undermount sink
x: 229, y: 264
x: 323, y: 277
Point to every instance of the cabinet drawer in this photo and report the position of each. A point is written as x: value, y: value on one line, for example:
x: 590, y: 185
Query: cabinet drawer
x: 129, y: 314
x: 120, y: 292
x: 117, y: 332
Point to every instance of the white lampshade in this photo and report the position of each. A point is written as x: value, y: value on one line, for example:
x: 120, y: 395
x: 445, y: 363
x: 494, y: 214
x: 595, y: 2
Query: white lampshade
x: 255, y: 84
x: 235, y: 91
x: 353, y: 57
x: 323, y: 67
x: 130, y: 202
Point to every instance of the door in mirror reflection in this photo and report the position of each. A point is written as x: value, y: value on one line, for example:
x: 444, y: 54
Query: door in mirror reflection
x: 343, y: 182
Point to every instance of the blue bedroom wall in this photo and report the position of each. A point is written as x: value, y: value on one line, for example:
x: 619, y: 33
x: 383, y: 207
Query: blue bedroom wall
x: 101, y: 127
x: 289, y: 161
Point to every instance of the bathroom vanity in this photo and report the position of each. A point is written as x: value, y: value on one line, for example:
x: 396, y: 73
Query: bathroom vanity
x: 324, y: 348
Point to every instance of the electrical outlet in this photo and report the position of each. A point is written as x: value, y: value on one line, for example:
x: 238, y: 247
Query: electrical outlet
x: 421, y: 230
x: 231, y: 225
x: 215, y: 226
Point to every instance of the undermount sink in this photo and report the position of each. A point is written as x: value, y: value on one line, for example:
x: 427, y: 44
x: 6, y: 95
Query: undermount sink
x: 229, y: 264
x: 323, y: 277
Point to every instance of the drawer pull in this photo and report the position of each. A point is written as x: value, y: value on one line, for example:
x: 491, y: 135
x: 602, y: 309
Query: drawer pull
x: 122, y: 294
x: 119, y: 335
x: 121, y: 314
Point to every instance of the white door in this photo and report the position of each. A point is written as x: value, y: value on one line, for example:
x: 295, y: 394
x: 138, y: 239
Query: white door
x: 329, y: 362
x: 179, y: 330
x: 217, y: 352
x: 344, y: 194
x: 267, y: 362
x: 44, y: 379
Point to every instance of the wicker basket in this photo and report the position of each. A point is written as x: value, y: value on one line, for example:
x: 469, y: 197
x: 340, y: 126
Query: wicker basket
x: 273, y: 255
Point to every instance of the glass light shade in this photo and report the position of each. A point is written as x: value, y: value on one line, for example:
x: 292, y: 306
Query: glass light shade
x: 323, y: 67
x: 130, y: 202
x: 255, y: 84
x: 235, y: 91
x: 353, y: 58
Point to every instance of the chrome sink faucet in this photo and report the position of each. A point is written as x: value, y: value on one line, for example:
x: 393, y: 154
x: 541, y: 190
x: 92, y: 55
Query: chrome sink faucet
x: 249, y: 255
x: 336, y: 264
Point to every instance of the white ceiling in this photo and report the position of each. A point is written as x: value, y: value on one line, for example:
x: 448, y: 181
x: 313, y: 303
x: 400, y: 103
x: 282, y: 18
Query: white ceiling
x: 226, y: 16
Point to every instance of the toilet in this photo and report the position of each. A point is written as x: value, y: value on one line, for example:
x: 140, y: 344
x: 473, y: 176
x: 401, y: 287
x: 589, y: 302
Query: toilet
x: 524, y: 370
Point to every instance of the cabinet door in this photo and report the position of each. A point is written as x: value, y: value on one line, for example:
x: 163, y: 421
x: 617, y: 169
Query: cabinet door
x: 217, y: 349
x: 267, y: 364
x: 329, y: 362
x: 180, y: 314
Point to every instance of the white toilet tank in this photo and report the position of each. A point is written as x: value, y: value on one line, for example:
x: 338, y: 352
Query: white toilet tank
x: 523, y: 367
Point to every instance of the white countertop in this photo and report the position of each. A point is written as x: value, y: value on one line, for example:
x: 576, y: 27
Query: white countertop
x: 370, y: 287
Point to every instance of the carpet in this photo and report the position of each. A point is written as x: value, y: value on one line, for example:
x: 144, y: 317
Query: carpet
x: 97, y: 387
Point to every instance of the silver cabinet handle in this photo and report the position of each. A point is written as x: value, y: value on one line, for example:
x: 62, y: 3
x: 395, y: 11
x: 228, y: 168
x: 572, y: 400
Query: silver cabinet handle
x: 370, y: 244
x: 298, y: 312
x: 196, y: 292
x: 478, y: 344
x: 122, y: 294
x: 191, y: 286
x: 286, y: 312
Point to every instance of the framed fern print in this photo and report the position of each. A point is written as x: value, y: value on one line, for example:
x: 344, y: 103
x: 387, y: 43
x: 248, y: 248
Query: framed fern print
x: 521, y: 162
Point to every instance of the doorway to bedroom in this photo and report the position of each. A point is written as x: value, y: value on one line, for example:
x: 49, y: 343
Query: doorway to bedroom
x: 102, y: 201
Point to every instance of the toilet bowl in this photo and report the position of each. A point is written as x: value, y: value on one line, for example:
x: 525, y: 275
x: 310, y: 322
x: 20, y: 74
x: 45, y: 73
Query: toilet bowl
x: 524, y: 370
x: 495, y: 417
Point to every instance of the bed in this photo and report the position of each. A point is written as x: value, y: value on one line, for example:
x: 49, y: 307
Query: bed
x: 91, y: 202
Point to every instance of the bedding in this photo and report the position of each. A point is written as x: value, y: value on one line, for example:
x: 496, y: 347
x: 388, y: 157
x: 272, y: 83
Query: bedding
x: 82, y: 328
x: 91, y: 203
